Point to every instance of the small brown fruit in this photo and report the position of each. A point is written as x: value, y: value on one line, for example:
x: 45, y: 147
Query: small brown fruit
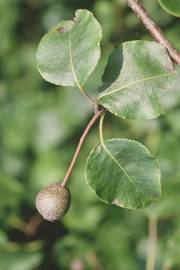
x: 53, y: 201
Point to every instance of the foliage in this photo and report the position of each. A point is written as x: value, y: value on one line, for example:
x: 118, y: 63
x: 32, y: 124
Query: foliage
x: 40, y: 125
x: 60, y: 50
x: 171, y: 6
x: 136, y: 73
x: 128, y: 176
x: 134, y: 76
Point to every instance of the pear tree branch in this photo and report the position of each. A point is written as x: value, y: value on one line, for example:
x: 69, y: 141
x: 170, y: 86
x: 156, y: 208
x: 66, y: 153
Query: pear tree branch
x: 154, y: 29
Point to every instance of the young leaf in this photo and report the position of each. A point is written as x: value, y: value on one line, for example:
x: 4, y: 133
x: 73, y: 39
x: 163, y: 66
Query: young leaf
x: 68, y: 54
x: 136, y: 73
x: 123, y: 172
x: 171, y: 6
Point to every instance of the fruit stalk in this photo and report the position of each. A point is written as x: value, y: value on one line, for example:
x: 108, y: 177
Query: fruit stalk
x: 81, y: 141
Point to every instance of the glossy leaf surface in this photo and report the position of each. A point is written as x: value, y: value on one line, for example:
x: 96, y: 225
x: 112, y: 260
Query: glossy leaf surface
x: 123, y: 172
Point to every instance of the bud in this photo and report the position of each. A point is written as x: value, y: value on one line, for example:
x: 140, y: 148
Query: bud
x: 53, y: 201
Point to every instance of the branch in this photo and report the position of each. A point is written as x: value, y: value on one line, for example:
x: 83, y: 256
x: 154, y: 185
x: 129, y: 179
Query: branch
x: 154, y: 29
x: 152, y: 239
x: 76, y: 154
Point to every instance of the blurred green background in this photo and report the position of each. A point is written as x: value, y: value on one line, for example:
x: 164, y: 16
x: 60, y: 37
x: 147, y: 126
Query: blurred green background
x: 40, y: 125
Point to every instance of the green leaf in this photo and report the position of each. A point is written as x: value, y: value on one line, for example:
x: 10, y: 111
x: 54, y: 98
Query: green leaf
x: 11, y: 192
x: 68, y: 54
x: 123, y: 172
x: 136, y: 73
x: 171, y: 6
x: 19, y: 259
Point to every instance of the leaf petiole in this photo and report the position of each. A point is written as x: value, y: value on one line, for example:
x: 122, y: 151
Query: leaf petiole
x: 101, y: 136
x: 88, y: 97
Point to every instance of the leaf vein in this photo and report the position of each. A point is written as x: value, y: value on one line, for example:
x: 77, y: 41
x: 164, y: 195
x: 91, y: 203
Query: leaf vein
x: 71, y: 62
x: 136, y: 82
x: 120, y: 166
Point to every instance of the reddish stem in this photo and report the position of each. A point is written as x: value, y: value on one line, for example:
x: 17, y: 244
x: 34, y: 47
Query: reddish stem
x: 76, y: 154
x: 154, y: 29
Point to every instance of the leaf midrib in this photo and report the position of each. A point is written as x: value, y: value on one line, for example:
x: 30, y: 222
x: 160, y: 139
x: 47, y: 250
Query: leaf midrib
x: 136, y: 82
x: 71, y: 62
x: 120, y: 166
